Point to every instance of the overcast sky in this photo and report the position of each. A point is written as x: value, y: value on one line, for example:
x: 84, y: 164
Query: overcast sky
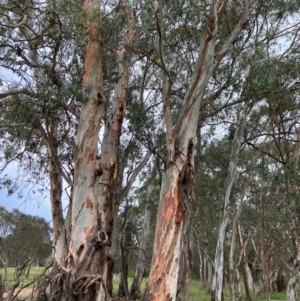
x: 30, y: 206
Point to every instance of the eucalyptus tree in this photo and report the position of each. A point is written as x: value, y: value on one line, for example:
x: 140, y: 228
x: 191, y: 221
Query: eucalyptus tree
x: 41, y: 58
x: 135, y: 290
x: 57, y: 75
x: 88, y: 269
x: 181, y: 124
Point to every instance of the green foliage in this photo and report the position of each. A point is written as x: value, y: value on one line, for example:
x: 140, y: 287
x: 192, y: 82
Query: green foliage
x: 23, y: 237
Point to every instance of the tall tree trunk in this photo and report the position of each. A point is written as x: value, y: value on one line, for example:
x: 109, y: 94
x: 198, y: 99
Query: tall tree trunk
x: 135, y: 290
x: 295, y: 224
x: 88, y: 274
x: 210, y: 273
x: 59, y: 233
x: 124, y: 249
x: 177, y: 180
x: 183, y: 290
x: 113, y: 129
x: 236, y: 230
x: 85, y: 275
x: 201, y: 274
x: 238, y: 284
x: 291, y: 292
x: 263, y: 256
x: 219, y: 255
x: 248, y: 281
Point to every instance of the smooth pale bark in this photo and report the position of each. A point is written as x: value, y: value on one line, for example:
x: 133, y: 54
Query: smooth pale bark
x: 219, y: 255
x: 263, y: 255
x: 236, y: 230
x: 200, y: 265
x: 255, y: 271
x: 89, y: 259
x: 86, y: 263
x: 205, y: 272
x: 210, y: 269
x: 238, y: 284
x: 291, y: 292
x: 207, y: 278
x: 177, y: 181
x: 135, y: 290
x: 248, y: 280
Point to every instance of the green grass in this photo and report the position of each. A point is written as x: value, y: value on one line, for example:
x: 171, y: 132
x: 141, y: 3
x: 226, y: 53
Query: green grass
x: 34, y: 272
x: 274, y: 296
x: 197, y: 292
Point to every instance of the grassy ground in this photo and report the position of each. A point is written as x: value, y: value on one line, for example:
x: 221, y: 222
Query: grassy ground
x: 196, y: 291
x: 34, y: 272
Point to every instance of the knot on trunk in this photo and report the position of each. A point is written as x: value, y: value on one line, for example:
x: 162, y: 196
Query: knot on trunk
x: 102, y: 238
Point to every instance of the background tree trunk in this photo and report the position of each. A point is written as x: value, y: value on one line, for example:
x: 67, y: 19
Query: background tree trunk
x: 248, y: 281
x: 177, y: 181
x: 59, y: 232
x: 135, y: 291
x: 295, y: 224
x: 219, y: 256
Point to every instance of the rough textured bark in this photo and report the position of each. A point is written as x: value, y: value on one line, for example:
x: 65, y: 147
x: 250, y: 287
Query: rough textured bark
x: 135, y: 291
x: 177, y: 180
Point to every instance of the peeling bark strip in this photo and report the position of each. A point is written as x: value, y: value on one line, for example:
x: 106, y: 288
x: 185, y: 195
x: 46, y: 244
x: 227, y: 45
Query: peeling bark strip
x: 174, y: 197
x: 162, y: 283
x: 84, y: 275
x: 87, y: 274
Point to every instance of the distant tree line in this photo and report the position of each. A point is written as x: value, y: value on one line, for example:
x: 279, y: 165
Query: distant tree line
x: 23, y: 237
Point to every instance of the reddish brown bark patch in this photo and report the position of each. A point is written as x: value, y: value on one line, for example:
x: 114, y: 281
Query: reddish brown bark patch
x: 89, y: 203
x: 88, y: 232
